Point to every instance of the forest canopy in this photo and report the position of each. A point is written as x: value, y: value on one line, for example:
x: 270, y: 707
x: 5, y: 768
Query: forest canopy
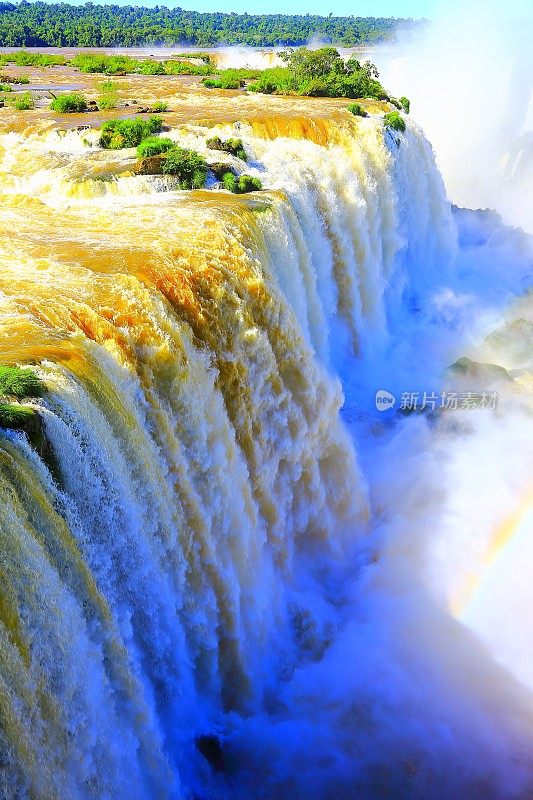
x: 64, y: 25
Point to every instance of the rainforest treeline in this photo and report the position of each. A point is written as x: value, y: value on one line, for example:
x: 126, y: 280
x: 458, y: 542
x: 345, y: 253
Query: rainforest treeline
x: 63, y: 25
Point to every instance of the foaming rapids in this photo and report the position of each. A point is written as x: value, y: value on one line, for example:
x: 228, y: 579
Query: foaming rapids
x: 218, y: 578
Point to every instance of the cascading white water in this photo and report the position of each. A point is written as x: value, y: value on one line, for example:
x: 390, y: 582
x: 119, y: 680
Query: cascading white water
x: 180, y: 563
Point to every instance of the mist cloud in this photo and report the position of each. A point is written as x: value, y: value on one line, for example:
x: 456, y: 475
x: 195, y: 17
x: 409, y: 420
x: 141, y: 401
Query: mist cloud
x: 470, y: 79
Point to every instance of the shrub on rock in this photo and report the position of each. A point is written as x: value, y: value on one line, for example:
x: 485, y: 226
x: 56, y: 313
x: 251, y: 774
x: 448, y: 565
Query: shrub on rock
x: 357, y: 110
x: 20, y: 383
x: 241, y: 185
x: 395, y: 121
x: 154, y: 146
x: 233, y: 146
x: 73, y: 103
x: 120, y: 133
x: 188, y: 166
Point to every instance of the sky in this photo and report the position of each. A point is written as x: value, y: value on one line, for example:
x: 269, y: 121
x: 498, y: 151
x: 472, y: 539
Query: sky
x: 417, y: 9
x: 341, y: 8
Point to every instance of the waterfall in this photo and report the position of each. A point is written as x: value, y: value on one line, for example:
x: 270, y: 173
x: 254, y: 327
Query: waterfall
x: 183, y: 545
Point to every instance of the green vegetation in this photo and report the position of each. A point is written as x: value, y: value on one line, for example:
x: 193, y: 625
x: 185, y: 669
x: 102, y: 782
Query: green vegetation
x: 24, y: 58
x: 108, y: 87
x: 108, y: 97
x: 159, y: 107
x: 120, y: 133
x: 219, y: 169
x: 394, y: 121
x: 62, y: 24
x: 188, y: 166
x: 22, y: 102
x: 18, y: 417
x: 186, y: 68
x: 403, y: 104
x: 154, y: 146
x: 233, y: 146
x: 20, y: 80
x: 98, y: 62
x: 357, y: 110
x: 9, y: 79
x: 320, y: 73
x: 316, y: 73
x: 15, y: 416
x: 107, y: 101
x: 125, y: 65
x: 150, y: 68
x: 20, y: 383
x: 232, y: 78
x: 205, y: 57
x: 5, y: 87
x: 69, y: 103
x: 246, y: 183
x: 225, y: 82
x: 241, y: 185
x: 159, y: 155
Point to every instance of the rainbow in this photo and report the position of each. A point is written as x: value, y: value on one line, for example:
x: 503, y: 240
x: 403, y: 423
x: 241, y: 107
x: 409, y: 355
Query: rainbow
x: 507, y: 535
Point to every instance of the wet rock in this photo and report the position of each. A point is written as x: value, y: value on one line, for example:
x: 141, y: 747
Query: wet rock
x: 29, y: 421
x: 233, y: 146
x: 211, y: 749
x: 490, y: 374
x: 219, y: 169
x: 151, y: 165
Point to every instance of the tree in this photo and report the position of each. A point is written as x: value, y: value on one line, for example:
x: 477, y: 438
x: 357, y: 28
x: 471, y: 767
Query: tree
x: 61, y: 24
